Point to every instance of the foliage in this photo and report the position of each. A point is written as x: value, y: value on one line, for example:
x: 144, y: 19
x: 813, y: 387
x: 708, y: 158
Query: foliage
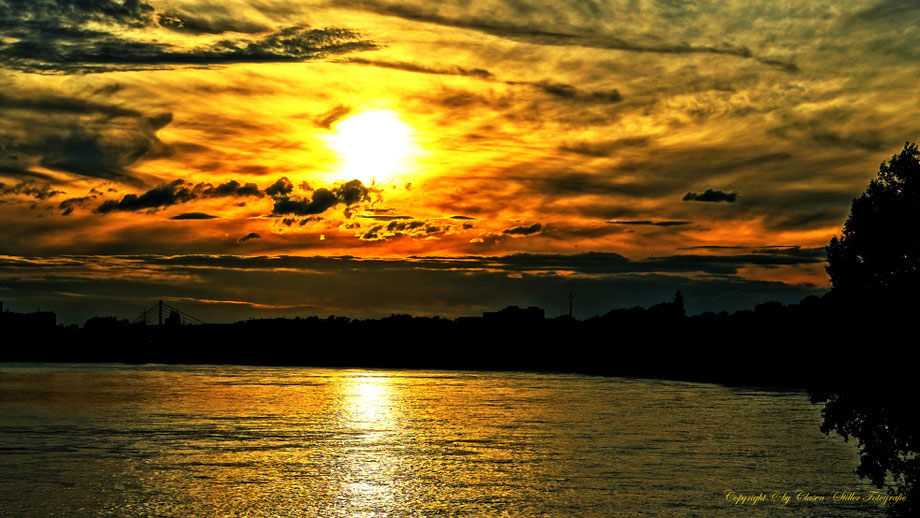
x: 887, y: 432
x: 874, y: 268
x: 876, y: 261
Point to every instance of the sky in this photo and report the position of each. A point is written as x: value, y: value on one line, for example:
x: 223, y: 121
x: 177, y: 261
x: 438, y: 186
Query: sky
x: 258, y: 158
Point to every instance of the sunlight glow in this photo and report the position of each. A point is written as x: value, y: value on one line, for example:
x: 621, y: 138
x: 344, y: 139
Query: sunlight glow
x: 368, y: 400
x: 372, y: 145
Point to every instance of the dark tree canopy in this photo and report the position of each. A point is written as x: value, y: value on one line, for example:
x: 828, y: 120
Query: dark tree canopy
x: 874, y: 268
x: 875, y: 263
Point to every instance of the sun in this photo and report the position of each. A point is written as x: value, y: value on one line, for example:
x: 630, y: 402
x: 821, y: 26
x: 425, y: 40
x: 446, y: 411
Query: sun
x: 372, y: 146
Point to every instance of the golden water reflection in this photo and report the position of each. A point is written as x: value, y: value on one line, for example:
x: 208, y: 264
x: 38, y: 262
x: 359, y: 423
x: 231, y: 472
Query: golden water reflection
x: 273, y: 442
x: 368, y: 400
x: 370, y: 413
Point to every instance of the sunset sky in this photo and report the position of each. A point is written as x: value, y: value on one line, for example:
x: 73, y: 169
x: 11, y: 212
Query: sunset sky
x: 367, y: 157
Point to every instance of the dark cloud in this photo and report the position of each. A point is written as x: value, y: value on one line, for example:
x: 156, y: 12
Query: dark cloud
x: 60, y: 14
x: 282, y: 187
x: 665, y: 223
x: 373, y: 234
x: 713, y: 247
x: 67, y: 206
x: 181, y: 191
x: 888, y: 9
x: 386, y: 217
x: 867, y: 140
x: 570, y: 92
x: 422, y: 69
x: 229, y: 189
x: 363, y: 288
x: 463, y: 217
x: 61, y: 104
x: 523, y: 230
x: 400, y: 226
x: 800, y: 208
x: 397, y: 229
x: 53, y: 37
x: 711, y: 195
x: 585, y: 263
x: 824, y: 129
x: 603, y: 149
x: 562, y: 90
x: 321, y: 201
x: 327, y: 119
x: 16, y: 171
x: 32, y: 189
x: 591, y: 263
x: 208, y: 19
x: 91, y: 154
x: 562, y: 184
x: 347, y: 193
x: 76, y: 134
x: 542, y: 36
x: 165, y: 195
x: 193, y: 215
x: 247, y: 237
x: 352, y: 192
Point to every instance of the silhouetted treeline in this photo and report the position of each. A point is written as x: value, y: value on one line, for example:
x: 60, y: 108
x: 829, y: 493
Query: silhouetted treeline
x: 772, y: 345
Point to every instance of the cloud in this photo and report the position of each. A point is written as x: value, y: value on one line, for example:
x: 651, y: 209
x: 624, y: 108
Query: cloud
x: 321, y: 201
x: 76, y: 134
x: 603, y: 149
x: 52, y: 15
x: 590, y: 263
x: 653, y: 223
x: 373, y: 234
x: 208, y: 19
x: 230, y: 189
x: 400, y: 228
x: 386, y: 217
x: 834, y: 128
x: 282, y: 187
x: 523, y: 231
x: 165, y: 195
x: 561, y: 90
x: 567, y: 91
x: 347, y: 193
x: 67, y: 206
x: 327, y: 119
x: 888, y: 9
x: 247, y: 237
x: 576, y: 183
x: 193, y: 215
x: 31, y: 189
x: 422, y: 285
x: 180, y: 191
x: 564, y: 37
x: 50, y: 103
x: 91, y: 154
x: 422, y: 69
x: 71, y: 36
x: 711, y: 195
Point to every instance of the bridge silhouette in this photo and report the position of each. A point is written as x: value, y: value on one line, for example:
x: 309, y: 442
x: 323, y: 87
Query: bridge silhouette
x: 162, y: 313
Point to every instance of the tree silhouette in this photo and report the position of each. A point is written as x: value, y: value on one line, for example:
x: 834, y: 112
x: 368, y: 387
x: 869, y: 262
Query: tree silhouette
x: 875, y: 264
x: 874, y: 268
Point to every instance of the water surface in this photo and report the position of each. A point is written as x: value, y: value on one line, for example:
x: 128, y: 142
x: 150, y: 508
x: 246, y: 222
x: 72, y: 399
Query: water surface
x: 107, y: 440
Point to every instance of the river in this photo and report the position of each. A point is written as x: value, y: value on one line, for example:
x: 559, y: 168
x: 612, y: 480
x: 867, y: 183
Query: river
x: 155, y: 440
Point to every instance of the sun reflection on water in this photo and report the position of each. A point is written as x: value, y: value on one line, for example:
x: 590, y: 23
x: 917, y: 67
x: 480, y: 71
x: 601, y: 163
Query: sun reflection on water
x: 370, y: 415
x: 278, y: 442
x: 367, y: 400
